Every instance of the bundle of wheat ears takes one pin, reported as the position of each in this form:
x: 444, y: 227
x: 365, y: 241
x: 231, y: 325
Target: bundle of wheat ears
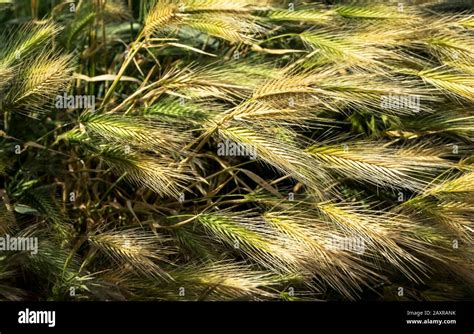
x: 236, y: 150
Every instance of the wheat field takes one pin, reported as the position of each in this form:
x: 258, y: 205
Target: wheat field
x: 236, y: 150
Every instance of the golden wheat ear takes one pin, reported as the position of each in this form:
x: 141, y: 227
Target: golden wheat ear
x: 40, y: 81
x: 226, y: 280
x: 20, y: 47
x: 134, y: 131
x: 410, y: 167
x: 134, y: 247
x: 160, y: 174
x: 231, y: 21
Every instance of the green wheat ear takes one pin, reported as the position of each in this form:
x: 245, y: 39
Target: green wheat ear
x: 25, y: 41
